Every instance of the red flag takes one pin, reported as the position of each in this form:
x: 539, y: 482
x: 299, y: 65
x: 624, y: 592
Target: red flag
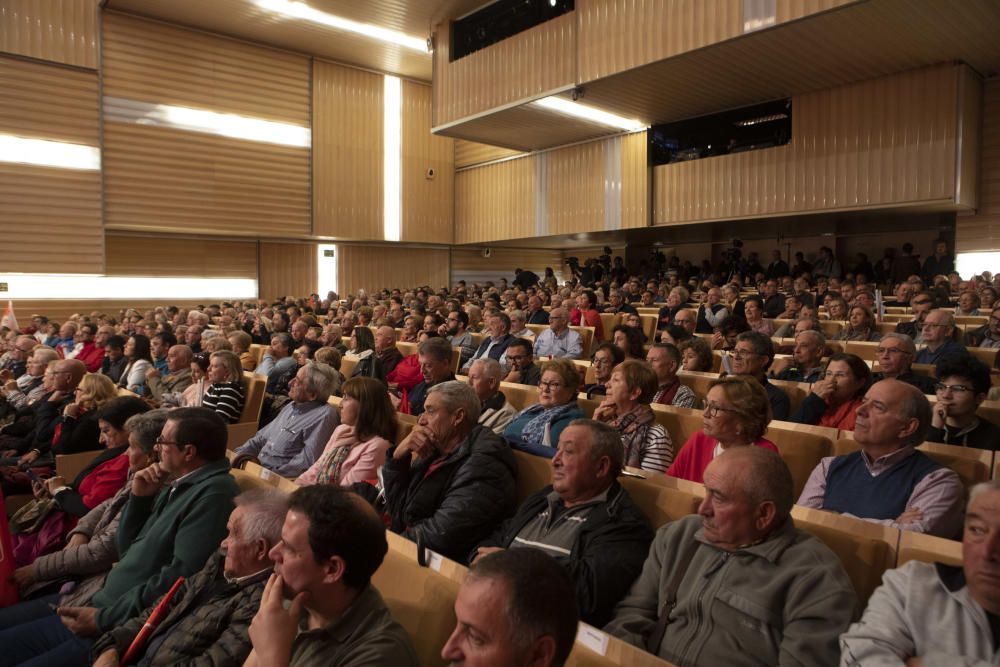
x: 8, y: 589
x: 139, y: 643
x: 9, y: 320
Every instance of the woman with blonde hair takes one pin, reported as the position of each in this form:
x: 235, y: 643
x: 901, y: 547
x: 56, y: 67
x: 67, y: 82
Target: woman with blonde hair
x: 626, y: 408
x: 737, y: 412
x: 357, y: 448
x: 224, y: 394
x: 76, y: 429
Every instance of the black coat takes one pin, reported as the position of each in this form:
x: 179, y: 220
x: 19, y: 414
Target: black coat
x: 608, y: 555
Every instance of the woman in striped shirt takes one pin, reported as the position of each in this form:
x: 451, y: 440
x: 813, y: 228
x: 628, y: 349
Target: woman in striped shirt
x: 225, y: 389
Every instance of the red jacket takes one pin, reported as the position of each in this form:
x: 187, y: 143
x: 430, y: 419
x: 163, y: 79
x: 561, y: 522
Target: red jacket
x: 92, y: 356
x: 696, y: 454
x: 104, y: 481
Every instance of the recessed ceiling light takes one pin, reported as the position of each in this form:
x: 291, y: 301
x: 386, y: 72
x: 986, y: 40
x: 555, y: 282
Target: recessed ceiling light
x: 300, y: 10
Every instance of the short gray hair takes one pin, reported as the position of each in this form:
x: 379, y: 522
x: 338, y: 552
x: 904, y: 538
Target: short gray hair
x: 984, y: 487
x: 457, y: 395
x: 491, y: 367
x: 907, y: 342
x: 319, y: 379
x: 264, y: 516
x: 915, y: 406
x: 605, y: 440
x: 436, y: 347
x: 146, y: 427
x: 815, y: 333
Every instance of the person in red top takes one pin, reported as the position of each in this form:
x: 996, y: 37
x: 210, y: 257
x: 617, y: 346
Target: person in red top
x: 834, y: 400
x: 92, y: 352
x: 736, y: 414
x: 585, y: 314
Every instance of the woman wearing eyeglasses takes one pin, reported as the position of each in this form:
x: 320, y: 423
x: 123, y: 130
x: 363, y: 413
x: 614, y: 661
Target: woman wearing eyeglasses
x: 834, y: 400
x: 536, y: 429
x: 627, y: 408
x: 737, y: 412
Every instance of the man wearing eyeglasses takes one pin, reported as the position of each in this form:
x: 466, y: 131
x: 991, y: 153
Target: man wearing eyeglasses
x: 888, y: 481
x: 963, y: 383
x: 921, y: 305
x: 938, y: 336
x: 752, y: 356
x: 521, y: 362
x: 988, y: 335
x: 559, y: 341
x: 895, y: 356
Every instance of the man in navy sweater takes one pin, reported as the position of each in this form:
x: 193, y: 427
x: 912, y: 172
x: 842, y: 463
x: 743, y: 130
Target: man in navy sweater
x: 888, y: 481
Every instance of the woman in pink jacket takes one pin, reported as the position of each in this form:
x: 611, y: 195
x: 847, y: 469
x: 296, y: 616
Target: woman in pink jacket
x: 357, y: 448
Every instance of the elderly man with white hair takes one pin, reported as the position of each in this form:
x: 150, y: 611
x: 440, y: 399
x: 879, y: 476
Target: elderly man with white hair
x: 496, y: 411
x: 895, y: 355
x: 559, y: 341
x: 291, y: 443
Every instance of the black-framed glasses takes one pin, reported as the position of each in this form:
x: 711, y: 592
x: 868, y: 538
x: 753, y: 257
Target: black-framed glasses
x: 160, y: 441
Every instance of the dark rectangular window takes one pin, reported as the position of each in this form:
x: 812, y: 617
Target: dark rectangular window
x: 500, y: 20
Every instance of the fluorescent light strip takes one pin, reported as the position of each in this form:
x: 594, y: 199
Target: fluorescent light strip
x: 969, y: 264
x: 49, y: 153
x: 209, y: 122
x: 83, y: 287
x: 326, y: 269
x: 300, y: 10
x: 392, y: 145
x: 592, y: 114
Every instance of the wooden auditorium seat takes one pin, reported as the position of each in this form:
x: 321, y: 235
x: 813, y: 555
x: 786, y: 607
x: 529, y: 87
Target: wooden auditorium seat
x: 928, y: 549
x: 246, y: 427
x: 257, y: 350
x: 802, y: 447
x: 972, y: 465
x: 608, y: 322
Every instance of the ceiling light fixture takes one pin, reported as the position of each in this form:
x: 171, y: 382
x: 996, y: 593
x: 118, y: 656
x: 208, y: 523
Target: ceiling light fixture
x: 48, y: 153
x: 300, y: 10
x: 762, y: 119
x: 588, y: 113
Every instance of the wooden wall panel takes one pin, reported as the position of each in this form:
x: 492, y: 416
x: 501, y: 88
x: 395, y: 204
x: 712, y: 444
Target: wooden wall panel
x: 789, y: 10
x: 635, y: 205
x: 885, y: 142
x: 158, y: 176
x: 981, y: 231
x: 496, y: 201
x: 428, y: 202
x: 50, y: 218
x: 347, y: 152
x: 62, y: 31
x: 575, y: 187
x: 469, y: 153
x: 61, y: 309
x: 377, y: 266
x: 618, y: 35
x: 286, y: 269
x: 468, y: 264
x: 527, y: 65
x: 168, y: 256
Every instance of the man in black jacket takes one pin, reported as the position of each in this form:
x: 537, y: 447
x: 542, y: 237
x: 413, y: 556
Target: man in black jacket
x: 460, y: 485
x: 585, y: 520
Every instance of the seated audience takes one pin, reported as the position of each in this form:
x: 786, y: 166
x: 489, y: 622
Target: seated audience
x: 224, y: 393
x: 175, y: 380
x: 860, y: 326
x: 599, y: 535
x: 697, y: 356
x: 711, y: 312
x: 586, y: 314
x: 521, y: 362
x: 411, y: 327
x: 77, y: 429
x: 505, y: 615
x: 495, y: 344
x: 385, y: 347
x: 676, y: 302
x: 17, y: 395
x: 519, y: 326
x: 559, y: 341
x: 138, y: 361
x: 932, y: 613
x: 495, y: 411
x: 114, y: 362
x: 459, y: 486
x: 730, y: 329
x: 536, y: 429
x: 86, y: 348
x: 665, y: 360
x: 686, y: 320
x: 90, y: 551
x: 752, y: 356
x: 192, y: 396
x: 606, y: 357
x: 938, y: 337
x: 241, y: 341
x: 834, y: 400
x: 434, y: 356
x: 888, y: 481
x: 358, y: 446
x: 157, y: 540
x: 278, y: 358
x: 807, y: 358
x: 627, y: 409
x: 331, y: 545
x: 962, y: 386
x: 693, y: 604
x: 736, y: 414
x: 629, y: 341
x: 293, y: 441
x: 753, y: 308
x: 208, y: 618
x: 988, y: 335
x: 617, y: 303
x: 774, y: 301
x: 895, y: 356
x: 363, y: 350
x: 968, y: 304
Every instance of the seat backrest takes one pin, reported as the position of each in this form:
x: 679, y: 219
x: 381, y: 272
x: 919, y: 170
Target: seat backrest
x: 796, y: 392
x: 586, y: 340
x: 404, y: 424
x: 866, y: 550
x: 648, y: 326
x: 608, y: 322
x: 830, y: 327
x: 272, y: 479
x: 257, y: 350
x: 125, y: 393
x: 660, y: 502
x: 864, y: 349
x: 533, y: 473
x: 253, y: 393
x: 697, y: 382
x: 801, y: 447
x: 972, y: 465
x: 347, y: 366
x: 420, y: 598
x: 247, y: 481
x: 456, y: 358
x: 681, y: 423
x: 928, y: 549
x: 68, y: 466
x: 406, y: 349
x: 519, y: 395
x: 987, y: 355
